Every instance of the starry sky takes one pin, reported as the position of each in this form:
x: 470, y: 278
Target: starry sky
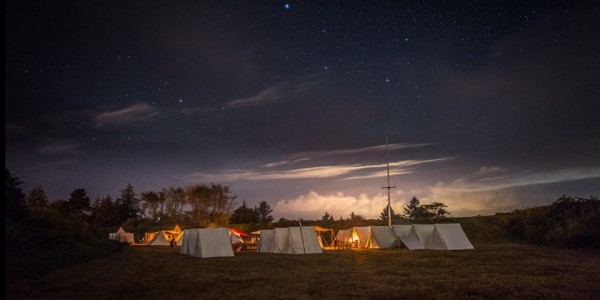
x: 488, y: 106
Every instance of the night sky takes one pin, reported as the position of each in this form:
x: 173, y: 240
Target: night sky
x: 488, y: 106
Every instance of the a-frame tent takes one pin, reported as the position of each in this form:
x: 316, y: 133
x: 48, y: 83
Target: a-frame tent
x: 365, y: 237
x: 449, y: 237
x: 292, y: 240
x: 159, y: 239
x: 207, y: 242
x: 121, y: 236
x: 423, y: 233
x: 368, y: 237
x: 266, y: 240
x: 411, y: 241
x: 325, y: 236
x: 384, y: 236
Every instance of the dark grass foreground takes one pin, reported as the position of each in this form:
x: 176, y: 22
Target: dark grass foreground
x: 496, y: 272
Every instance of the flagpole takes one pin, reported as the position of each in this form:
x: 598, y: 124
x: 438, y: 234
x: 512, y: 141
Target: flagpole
x: 388, y: 187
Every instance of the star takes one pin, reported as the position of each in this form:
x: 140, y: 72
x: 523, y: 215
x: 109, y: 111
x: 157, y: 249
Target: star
x: 286, y: 6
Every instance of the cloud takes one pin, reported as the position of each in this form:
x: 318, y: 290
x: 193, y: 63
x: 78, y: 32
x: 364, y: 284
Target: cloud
x: 134, y: 113
x: 287, y: 90
x: 485, y: 170
x: 268, y: 95
x: 379, y: 174
x: 470, y: 196
x: 303, y: 156
x: 59, y: 148
x: 314, y: 205
x: 300, y: 173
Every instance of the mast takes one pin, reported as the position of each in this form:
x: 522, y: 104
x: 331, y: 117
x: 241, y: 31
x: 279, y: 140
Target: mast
x: 388, y: 187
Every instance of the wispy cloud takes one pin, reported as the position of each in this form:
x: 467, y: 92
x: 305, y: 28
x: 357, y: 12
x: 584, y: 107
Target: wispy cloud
x: 283, y: 91
x: 134, y: 113
x: 309, y: 155
x: 300, y: 173
x: 380, y: 174
x: 59, y: 148
x: 268, y: 95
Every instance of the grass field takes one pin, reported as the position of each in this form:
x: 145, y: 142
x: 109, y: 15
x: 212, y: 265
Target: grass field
x: 490, y: 271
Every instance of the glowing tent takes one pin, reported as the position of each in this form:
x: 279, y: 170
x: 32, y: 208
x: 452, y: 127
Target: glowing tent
x: 368, y: 237
x: 325, y: 236
x: 207, y: 242
x: 449, y: 237
x: 163, y: 238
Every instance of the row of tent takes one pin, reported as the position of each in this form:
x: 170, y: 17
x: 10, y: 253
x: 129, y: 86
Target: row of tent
x: 217, y: 242
x: 416, y: 236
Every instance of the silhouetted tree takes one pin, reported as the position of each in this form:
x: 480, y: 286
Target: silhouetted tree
x: 210, y: 204
x: 128, y: 204
x: 384, y: 214
x: 150, y: 204
x: 435, y: 210
x: 327, y: 217
x: 174, y: 202
x: 264, y: 211
x: 244, y: 215
x: 411, y: 211
x: 79, y: 202
x: 14, y: 208
x: 104, y: 213
x: 36, y: 198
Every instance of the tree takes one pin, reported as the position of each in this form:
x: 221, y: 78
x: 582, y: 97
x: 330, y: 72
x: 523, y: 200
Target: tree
x: 411, y: 211
x: 174, y: 202
x: 36, y: 198
x: 435, y: 210
x: 220, y: 204
x: 128, y: 204
x: 356, y: 220
x: 13, y: 197
x: 264, y: 211
x: 150, y: 203
x: 327, y: 217
x: 104, y: 212
x: 244, y: 215
x: 79, y: 202
x: 210, y: 203
x: 384, y: 214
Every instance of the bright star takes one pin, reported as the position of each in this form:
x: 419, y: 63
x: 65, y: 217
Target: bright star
x: 286, y: 6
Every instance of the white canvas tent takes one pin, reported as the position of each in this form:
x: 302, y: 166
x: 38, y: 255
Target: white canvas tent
x: 402, y: 231
x: 291, y: 240
x: 267, y: 237
x: 422, y: 233
x: 121, y: 236
x: 449, y: 237
x: 384, y: 236
x: 207, y: 242
x: 410, y: 240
